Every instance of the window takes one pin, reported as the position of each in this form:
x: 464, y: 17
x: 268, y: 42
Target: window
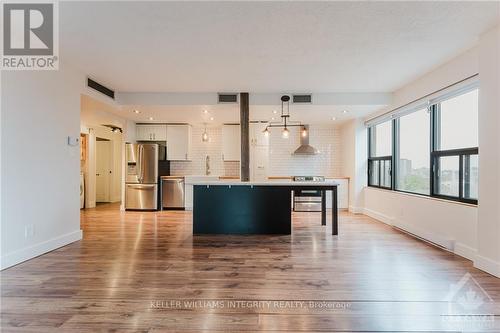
x: 380, y: 161
x: 447, y: 176
x: 456, y: 174
x: 381, y: 140
x: 457, y: 122
x: 433, y: 150
x: 455, y: 160
x: 413, y: 159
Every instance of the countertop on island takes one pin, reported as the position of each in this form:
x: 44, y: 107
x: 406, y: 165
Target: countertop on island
x: 265, y: 183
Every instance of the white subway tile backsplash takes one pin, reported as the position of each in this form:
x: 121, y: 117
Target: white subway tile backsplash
x: 326, y: 139
x: 281, y: 161
x: 199, y: 151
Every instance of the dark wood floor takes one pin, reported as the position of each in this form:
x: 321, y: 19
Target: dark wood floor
x: 131, y: 268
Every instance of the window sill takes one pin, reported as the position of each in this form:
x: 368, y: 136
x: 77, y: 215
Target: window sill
x: 422, y: 196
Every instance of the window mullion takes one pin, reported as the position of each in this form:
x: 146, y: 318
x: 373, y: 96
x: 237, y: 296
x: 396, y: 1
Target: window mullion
x: 461, y: 176
x: 432, y: 170
x: 395, y: 153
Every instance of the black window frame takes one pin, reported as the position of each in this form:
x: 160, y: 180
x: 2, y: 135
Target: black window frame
x: 463, y: 154
x: 379, y: 159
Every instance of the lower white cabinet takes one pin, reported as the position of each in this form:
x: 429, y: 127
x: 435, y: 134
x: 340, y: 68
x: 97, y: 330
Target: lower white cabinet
x: 342, y: 194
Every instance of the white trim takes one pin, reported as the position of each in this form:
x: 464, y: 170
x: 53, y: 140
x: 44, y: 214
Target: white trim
x: 445, y: 242
x: 356, y: 210
x: 461, y: 87
x: 454, y: 91
x: 465, y: 251
x: 435, y: 239
x: 420, y: 196
x: 380, y: 217
x: 487, y: 265
x: 17, y: 257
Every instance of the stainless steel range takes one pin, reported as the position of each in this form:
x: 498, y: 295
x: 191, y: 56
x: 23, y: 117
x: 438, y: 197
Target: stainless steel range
x: 307, y: 200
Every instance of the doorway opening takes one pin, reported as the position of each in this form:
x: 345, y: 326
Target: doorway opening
x: 102, y: 151
x: 104, y: 170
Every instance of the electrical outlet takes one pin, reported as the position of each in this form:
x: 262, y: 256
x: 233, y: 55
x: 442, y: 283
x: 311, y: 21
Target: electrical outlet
x: 29, y: 231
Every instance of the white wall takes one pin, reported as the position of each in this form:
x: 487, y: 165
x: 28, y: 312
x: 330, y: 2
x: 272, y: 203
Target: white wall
x: 354, y: 161
x: 441, y: 222
x: 325, y: 138
x: 473, y: 232
x: 488, y: 233
x: 40, y: 172
x: 451, y: 225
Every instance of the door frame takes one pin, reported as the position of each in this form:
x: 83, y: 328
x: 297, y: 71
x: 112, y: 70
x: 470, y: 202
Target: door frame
x: 110, y: 161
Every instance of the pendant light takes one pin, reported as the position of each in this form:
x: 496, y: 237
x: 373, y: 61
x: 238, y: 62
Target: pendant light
x: 204, y: 136
x: 285, y: 123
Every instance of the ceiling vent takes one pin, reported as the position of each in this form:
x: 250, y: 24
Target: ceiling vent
x: 227, y: 98
x: 304, y: 98
x: 100, y: 88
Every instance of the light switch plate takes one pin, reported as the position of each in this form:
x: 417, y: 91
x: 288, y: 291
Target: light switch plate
x: 73, y: 141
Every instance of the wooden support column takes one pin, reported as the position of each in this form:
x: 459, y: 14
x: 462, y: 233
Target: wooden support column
x: 245, y: 137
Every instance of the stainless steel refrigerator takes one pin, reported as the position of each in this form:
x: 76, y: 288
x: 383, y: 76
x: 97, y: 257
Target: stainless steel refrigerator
x: 141, y: 184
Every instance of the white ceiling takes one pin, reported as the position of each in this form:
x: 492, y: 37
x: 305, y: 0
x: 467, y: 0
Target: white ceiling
x: 266, y: 46
x: 194, y: 114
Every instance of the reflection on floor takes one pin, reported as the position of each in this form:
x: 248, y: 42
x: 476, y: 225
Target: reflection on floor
x: 138, y: 271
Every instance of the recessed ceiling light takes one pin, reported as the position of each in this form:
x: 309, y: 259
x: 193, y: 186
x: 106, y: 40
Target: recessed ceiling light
x: 334, y: 118
x: 275, y: 112
x: 273, y: 118
x: 137, y: 111
x: 211, y: 118
x: 151, y: 118
x: 345, y: 111
x: 205, y: 111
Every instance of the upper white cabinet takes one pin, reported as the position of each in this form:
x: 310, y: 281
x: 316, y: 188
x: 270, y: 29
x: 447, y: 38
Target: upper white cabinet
x: 151, y: 132
x: 178, y: 142
x: 257, y: 136
x: 231, y: 143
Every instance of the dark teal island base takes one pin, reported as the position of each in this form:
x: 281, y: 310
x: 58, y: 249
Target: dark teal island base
x: 250, y: 209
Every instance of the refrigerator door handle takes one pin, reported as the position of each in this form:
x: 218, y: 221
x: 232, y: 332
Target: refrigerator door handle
x: 141, y: 186
x: 143, y: 166
x: 139, y: 163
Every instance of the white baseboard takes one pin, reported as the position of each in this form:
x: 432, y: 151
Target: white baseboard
x: 356, y: 210
x: 16, y: 257
x: 440, y: 240
x: 413, y: 230
x: 487, y: 265
x: 378, y: 216
x: 465, y: 251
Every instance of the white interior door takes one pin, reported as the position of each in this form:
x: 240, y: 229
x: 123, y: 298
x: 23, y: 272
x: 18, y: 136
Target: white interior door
x: 104, y: 162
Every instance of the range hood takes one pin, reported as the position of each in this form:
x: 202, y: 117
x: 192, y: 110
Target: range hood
x: 305, y: 148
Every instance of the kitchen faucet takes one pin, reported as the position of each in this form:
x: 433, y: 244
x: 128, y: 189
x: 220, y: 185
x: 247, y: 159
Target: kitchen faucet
x: 207, y: 165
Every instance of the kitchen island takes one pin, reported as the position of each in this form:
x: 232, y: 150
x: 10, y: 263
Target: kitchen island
x: 234, y: 207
